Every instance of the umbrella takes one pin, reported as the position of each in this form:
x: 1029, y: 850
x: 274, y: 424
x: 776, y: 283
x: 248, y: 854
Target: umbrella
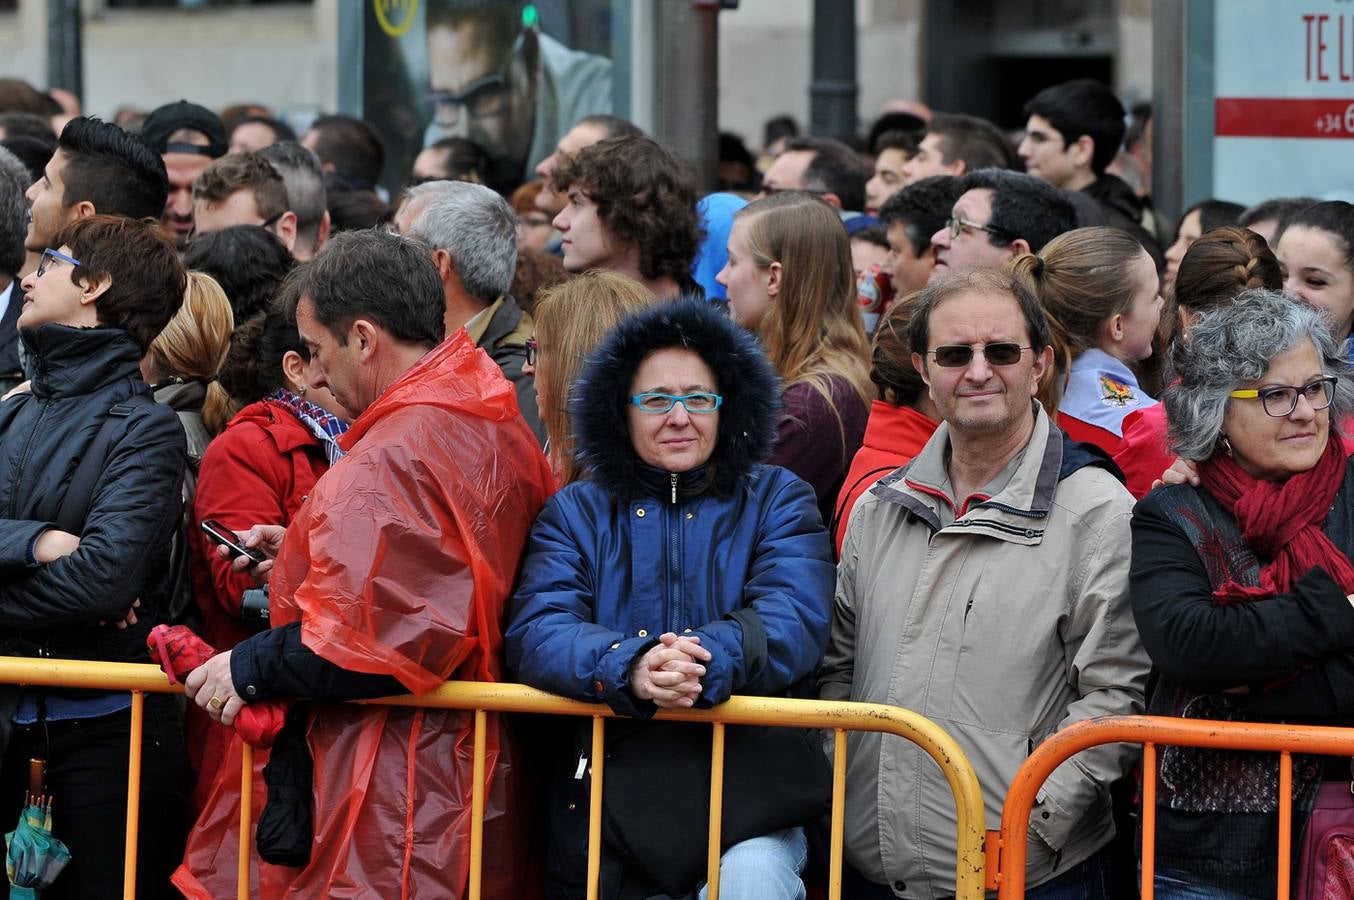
x: 33, y: 857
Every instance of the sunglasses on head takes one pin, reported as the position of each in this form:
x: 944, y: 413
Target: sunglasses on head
x: 952, y: 356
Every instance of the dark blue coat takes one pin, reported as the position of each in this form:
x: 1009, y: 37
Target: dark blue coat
x: 734, y: 551
x: 751, y: 574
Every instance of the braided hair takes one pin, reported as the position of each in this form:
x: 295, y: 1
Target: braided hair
x: 1219, y: 266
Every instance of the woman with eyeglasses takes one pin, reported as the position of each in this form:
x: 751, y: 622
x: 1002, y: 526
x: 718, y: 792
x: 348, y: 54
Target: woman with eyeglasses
x: 1102, y: 298
x: 1216, y: 268
x: 678, y: 571
x: 533, y: 226
x: 91, y: 478
x: 1241, y: 587
x: 790, y: 280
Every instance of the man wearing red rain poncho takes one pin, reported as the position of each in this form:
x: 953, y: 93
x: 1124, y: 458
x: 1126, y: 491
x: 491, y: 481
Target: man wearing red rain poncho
x: 391, y: 578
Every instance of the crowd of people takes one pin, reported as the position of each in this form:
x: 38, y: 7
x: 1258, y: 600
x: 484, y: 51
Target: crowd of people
x: 950, y: 421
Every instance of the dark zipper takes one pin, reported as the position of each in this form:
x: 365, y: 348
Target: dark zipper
x: 674, y: 563
x: 23, y: 459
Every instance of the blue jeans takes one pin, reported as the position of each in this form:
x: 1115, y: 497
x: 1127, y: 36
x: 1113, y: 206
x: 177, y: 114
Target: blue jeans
x: 764, y: 868
x: 1169, y: 885
x: 1087, y: 881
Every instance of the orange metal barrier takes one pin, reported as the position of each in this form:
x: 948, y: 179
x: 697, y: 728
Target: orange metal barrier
x: 1008, y: 875
x: 483, y: 698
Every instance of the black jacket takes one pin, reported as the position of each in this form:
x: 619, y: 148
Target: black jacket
x: 1216, y: 817
x: 1123, y: 210
x: 54, y: 609
x: 504, y: 342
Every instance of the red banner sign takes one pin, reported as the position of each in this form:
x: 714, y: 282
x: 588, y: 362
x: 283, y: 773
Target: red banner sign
x: 1283, y: 118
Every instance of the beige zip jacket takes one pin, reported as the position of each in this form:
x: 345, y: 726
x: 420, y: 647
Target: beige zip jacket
x: 1002, y: 627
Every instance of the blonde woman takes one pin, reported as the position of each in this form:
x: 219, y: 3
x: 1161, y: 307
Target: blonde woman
x: 181, y: 366
x: 571, y: 319
x: 790, y: 280
x: 183, y: 361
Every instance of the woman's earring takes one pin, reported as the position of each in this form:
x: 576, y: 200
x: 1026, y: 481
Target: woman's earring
x: 1226, y: 445
x: 302, y: 392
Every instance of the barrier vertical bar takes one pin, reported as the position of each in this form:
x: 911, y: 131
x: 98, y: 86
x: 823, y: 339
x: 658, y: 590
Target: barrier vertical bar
x: 246, y: 820
x: 834, y: 870
x: 595, y: 808
x: 1149, y: 819
x: 133, y: 795
x: 1285, y: 821
x: 716, y: 811
x: 477, y: 807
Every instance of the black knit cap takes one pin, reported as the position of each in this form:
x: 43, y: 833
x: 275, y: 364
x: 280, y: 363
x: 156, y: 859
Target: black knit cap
x: 172, y: 116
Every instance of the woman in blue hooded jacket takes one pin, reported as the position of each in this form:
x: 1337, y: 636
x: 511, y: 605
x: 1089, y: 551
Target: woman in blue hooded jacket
x: 680, y: 571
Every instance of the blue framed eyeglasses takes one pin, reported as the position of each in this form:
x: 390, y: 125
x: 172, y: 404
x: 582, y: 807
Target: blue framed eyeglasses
x: 49, y: 256
x: 657, y: 402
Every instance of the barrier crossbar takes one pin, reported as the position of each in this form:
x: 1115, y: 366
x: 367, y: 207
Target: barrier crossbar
x: 1008, y: 875
x: 483, y: 698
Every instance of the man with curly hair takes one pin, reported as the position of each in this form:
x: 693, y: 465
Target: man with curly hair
x: 630, y: 207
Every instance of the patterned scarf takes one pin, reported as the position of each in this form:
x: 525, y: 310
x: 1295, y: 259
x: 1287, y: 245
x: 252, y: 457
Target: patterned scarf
x: 320, y: 422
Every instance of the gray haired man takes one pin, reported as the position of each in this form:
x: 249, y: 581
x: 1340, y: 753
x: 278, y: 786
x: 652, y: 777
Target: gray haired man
x: 473, y: 235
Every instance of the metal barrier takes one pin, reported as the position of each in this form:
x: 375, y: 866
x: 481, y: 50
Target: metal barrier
x: 516, y: 698
x: 1008, y: 874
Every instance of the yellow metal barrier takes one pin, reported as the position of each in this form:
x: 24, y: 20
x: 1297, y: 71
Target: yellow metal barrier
x: 515, y: 698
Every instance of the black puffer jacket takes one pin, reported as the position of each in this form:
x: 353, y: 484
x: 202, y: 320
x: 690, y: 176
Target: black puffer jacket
x: 54, y: 609
x: 1123, y: 210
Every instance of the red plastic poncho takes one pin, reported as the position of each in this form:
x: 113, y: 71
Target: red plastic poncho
x: 400, y: 564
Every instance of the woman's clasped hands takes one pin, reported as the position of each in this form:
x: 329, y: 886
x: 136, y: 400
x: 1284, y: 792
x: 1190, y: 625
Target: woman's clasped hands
x: 669, y: 673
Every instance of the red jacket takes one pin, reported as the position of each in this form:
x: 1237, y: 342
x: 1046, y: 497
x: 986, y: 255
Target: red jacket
x: 1142, y: 453
x: 400, y: 564
x: 1080, y: 430
x: 893, y: 435
x: 258, y: 471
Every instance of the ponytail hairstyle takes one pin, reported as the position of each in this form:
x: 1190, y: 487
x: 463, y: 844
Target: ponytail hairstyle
x: 236, y: 374
x: 1082, y: 278
x: 1216, y: 268
x: 193, y: 346
x: 813, y: 329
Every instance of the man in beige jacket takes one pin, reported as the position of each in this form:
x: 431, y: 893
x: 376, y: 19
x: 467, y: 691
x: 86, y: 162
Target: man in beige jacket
x: 985, y: 585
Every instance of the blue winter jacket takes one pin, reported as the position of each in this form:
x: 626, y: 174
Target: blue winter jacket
x: 734, y: 551
x: 751, y: 575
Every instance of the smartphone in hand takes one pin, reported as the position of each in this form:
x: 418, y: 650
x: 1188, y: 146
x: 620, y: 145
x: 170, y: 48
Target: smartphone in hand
x: 226, y: 538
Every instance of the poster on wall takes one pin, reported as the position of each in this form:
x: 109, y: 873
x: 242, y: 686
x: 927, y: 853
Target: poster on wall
x: 509, y: 76
x: 1284, y: 99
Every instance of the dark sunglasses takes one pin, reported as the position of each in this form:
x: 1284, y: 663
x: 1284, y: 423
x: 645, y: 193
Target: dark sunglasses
x: 533, y: 351
x: 953, y: 356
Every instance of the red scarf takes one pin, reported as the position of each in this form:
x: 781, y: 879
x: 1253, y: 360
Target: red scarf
x: 1281, y: 521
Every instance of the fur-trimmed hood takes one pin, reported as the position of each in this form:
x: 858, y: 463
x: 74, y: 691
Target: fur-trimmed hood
x: 748, y: 416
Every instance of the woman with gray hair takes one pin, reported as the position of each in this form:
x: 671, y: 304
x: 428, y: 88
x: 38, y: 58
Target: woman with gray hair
x: 1241, y: 586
